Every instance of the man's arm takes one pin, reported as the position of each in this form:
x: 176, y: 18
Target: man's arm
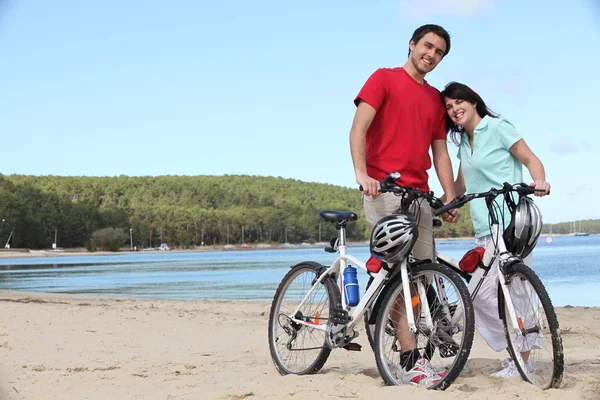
x: 459, y: 184
x: 358, y: 148
x: 443, y: 169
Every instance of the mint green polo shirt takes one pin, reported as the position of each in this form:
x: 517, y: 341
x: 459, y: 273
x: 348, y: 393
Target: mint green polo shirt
x: 489, y: 165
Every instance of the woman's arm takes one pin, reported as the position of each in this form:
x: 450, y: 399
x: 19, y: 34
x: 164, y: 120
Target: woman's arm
x: 535, y: 167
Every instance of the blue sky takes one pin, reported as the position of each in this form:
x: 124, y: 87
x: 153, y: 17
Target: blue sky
x: 104, y: 88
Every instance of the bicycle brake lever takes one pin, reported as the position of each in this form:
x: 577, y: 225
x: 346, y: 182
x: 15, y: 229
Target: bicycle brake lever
x: 390, y: 180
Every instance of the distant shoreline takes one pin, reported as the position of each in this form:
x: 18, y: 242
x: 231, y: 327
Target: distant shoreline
x: 27, y: 253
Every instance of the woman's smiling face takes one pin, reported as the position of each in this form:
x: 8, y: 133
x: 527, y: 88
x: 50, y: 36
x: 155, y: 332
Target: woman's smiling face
x: 460, y: 111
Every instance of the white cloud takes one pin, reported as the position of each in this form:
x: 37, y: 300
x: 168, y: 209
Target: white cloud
x: 580, y: 191
x: 588, y: 146
x: 423, y: 8
x: 566, y: 145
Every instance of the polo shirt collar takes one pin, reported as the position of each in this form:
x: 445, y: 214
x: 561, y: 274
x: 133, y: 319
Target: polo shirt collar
x: 483, y: 123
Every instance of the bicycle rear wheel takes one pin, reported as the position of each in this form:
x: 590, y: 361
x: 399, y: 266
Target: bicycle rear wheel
x: 535, y: 344
x: 299, y: 348
x: 445, y: 345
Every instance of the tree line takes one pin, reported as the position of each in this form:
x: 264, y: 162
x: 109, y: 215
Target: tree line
x: 183, y: 211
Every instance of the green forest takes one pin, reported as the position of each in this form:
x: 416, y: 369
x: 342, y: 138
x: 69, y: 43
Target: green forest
x: 185, y: 211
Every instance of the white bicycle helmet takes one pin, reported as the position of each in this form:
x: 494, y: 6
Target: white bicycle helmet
x: 524, y: 229
x: 393, y: 237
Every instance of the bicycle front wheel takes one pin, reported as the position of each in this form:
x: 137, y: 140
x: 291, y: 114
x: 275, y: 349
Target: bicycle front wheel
x: 300, y: 348
x: 535, y: 344
x: 444, y: 330
x: 369, y: 327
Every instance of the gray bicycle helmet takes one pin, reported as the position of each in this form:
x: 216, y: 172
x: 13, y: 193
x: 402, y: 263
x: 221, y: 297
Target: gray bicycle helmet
x: 393, y: 237
x: 524, y: 229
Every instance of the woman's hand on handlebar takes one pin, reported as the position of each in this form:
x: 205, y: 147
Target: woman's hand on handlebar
x: 369, y: 186
x: 539, y: 186
x: 451, y: 216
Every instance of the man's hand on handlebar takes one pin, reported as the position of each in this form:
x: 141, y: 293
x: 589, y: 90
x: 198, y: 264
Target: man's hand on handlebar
x: 370, y: 186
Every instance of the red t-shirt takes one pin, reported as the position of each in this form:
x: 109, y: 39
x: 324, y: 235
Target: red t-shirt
x: 409, y: 117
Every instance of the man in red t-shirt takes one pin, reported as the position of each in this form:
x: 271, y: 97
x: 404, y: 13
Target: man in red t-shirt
x: 399, y: 117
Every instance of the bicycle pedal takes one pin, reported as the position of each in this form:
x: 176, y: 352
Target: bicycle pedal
x: 448, y: 350
x: 353, y: 347
x: 339, y: 316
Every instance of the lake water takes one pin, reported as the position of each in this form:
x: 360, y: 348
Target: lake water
x: 569, y: 267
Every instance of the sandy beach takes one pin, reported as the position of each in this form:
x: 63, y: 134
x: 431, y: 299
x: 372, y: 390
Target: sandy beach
x: 77, y: 347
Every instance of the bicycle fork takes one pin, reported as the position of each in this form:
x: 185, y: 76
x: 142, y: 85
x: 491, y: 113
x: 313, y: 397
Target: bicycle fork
x: 408, y: 306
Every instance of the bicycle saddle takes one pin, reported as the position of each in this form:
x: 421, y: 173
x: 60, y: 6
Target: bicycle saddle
x: 337, y: 216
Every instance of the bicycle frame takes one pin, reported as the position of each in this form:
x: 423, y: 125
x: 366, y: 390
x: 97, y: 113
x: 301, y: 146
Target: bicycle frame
x: 491, y: 252
x: 379, y: 279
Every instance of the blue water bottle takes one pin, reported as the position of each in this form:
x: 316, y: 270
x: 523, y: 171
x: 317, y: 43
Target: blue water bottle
x: 351, y: 286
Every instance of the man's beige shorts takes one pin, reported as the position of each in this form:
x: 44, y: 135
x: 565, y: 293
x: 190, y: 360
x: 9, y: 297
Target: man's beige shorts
x: 388, y: 203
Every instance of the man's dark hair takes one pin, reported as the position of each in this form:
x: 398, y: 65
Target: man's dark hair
x: 425, y: 29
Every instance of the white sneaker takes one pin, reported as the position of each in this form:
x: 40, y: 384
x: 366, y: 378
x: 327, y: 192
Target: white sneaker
x: 421, y: 374
x: 434, y: 370
x: 509, y: 369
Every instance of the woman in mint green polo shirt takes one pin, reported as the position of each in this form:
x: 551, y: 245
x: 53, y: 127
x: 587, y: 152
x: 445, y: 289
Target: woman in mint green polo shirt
x: 491, y: 152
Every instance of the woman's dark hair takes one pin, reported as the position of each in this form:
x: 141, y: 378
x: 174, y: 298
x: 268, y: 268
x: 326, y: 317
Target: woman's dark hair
x: 459, y: 91
x: 425, y: 29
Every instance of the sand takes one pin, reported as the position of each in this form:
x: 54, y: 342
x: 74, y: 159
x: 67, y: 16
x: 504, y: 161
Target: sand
x: 76, y: 347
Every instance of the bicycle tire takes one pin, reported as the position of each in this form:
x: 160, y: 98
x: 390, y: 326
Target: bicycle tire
x: 546, y: 350
x: 295, y: 348
x: 431, y: 344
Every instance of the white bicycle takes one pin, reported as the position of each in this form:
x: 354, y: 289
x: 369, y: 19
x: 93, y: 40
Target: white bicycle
x: 530, y: 323
x: 311, y: 315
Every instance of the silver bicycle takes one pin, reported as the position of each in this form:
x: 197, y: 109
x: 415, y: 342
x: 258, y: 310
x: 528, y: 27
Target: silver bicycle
x: 530, y: 322
x: 311, y: 315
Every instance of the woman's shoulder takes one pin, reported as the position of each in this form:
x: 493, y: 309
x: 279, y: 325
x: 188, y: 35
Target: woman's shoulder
x: 499, y: 121
x: 505, y: 132
x: 501, y: 124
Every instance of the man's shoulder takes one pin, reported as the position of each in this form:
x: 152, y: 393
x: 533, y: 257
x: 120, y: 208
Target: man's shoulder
x: 387, y: 75
x: 430, y: 88
x: 393, y: 73
x: 393, y: 70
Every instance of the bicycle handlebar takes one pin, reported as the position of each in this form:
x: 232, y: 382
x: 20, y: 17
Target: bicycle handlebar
x: 459, y: 201
x: 389, y: 185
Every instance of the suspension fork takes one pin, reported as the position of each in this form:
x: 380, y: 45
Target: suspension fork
x: 410, y: 316
x: 503, y: 255
x: 509, y: 304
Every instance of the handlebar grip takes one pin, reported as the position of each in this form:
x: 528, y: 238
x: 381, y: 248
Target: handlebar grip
x: 360, y: 188
x: 456, y: 203
x: 525, y: 189
x: 529, y: 190
x: 444, y: 209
